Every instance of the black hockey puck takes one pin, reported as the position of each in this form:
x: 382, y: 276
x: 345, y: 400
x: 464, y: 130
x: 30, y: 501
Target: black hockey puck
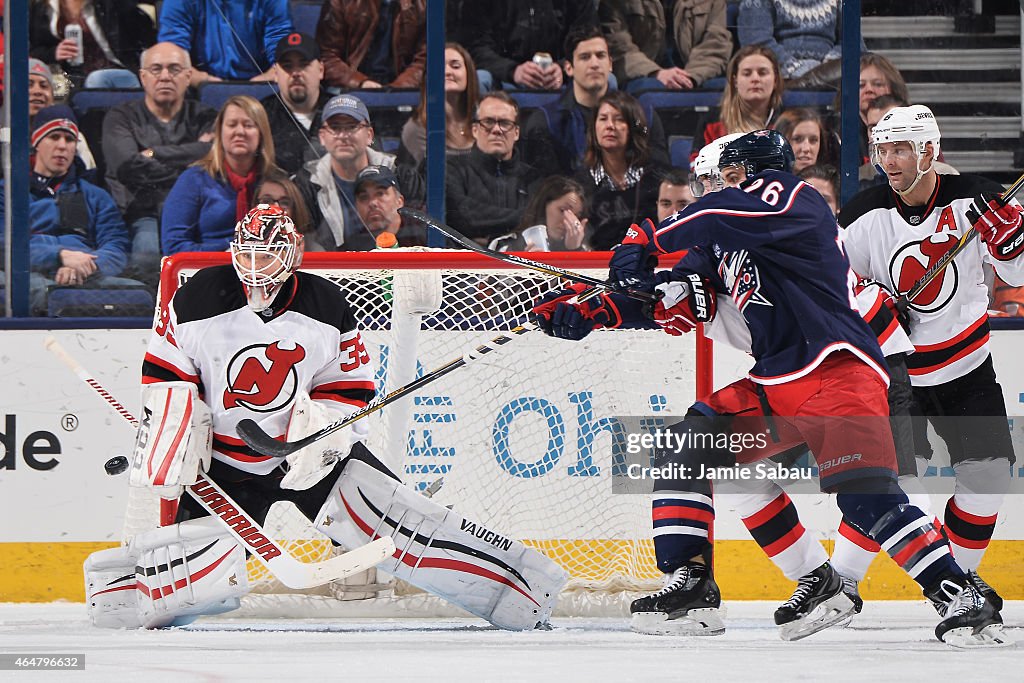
x: 116, y: 465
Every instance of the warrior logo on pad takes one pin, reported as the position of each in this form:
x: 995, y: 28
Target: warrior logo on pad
x: 262, y: 378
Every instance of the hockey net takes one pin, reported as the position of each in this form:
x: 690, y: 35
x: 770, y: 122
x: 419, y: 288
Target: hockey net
x: 523, y: 440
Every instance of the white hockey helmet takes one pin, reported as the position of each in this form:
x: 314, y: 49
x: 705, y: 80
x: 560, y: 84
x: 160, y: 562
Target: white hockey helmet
x: 706, y: 177
x: 914, y: 124
x: 266, y: 250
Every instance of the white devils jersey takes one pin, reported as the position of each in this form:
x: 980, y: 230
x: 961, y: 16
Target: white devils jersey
x: 251, y: 365
x: 895, y: 244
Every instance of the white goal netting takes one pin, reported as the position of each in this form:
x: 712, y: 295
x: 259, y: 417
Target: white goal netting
x: 523, y: 439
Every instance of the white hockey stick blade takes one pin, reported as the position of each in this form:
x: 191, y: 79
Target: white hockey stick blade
x: 291, y: 572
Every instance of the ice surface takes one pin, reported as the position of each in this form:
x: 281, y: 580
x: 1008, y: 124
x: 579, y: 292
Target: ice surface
x: 889, y: 641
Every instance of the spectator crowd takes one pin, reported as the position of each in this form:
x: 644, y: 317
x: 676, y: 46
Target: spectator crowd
x: 165, y: 172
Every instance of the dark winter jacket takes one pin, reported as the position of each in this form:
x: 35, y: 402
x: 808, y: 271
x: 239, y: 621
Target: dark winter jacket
x: 612, y: 210
x: 294, y: 145
x: 505, y: 34
x: 140, y: 184
x: 485, y: 197
x: 345, y: 32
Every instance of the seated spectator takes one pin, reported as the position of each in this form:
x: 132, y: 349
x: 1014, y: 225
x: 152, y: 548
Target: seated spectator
x: 807, y: 135
x: 294, y: 111
x: 461, y: 92
x: 147, y: 144
x: 554, y: 219
x: 378, y: 199
x: 40, y: 96
x: 519, y: 42
x: 588, y: 65
x: 825, y: 179
x: 751, y: 101
x: 277, y: 188
x: 213, y: 194
x: 78, y: 238
x: 328, y: 184
x: 698, y: 50
x: 373, y: 43
x: 878, y: 76
x: 804, y: 35
x: 234, y: 43
x: 114, y: 33
x: 619, y: 178
x: 487, y: 189
x: 674, y: 193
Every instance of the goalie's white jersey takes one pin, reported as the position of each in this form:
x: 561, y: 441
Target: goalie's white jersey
x: 252, y: 365
x: 896, y: 244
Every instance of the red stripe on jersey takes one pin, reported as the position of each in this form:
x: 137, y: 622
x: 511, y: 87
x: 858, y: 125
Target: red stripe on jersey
x: 963, y: 353
x: 930, y: 536
x: 343, y: 385
x: 925, y: 348
x: 682, y: 512
x: 767, y: 512
x: 317, y: 396
x: 169, y: 367
x: 229, y: 441
x: 857, y: 538
x: 784, y: 542
x: 968, y: 517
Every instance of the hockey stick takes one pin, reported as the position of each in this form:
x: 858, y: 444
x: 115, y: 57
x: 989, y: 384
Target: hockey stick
x: 256, y: 438
x: 246, y: 530
x: 904, y: 301
x: 453, y: 234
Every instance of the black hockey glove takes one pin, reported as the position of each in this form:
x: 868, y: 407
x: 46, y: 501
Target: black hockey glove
x: 633, y: 262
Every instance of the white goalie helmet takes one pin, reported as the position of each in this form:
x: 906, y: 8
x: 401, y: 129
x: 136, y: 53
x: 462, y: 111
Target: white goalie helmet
x: 266, y: 250
x: 706, y: 177
x: 914, y: 124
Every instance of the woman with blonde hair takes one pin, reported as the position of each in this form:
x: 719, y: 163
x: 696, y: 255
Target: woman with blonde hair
x: 619, y: 178
x: 752, y: 98
x: 216, y: 192
x: 461, y: 94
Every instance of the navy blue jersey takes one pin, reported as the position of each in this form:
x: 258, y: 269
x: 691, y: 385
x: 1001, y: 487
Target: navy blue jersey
x: 772, y: 245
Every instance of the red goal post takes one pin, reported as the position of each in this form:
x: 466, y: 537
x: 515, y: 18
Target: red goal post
x: 525, y: 439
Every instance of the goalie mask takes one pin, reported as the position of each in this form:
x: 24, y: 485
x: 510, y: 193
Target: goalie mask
x: 914, y: 124
x: 706, y: 177
x: 758, y: 151
x: 265, y: 252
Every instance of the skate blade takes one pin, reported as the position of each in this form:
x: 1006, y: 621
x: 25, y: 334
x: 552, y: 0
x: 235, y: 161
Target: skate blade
x: 696, y: 622
x: 964, y: 638
x: 831, y: 612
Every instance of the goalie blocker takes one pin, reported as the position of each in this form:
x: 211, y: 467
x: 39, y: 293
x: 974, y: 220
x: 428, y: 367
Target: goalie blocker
x: 171, y: 575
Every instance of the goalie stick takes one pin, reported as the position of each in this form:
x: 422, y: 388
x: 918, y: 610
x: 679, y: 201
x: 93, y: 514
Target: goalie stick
x: 246, y: 530
x: 904, y: 301
x: 453, y: 234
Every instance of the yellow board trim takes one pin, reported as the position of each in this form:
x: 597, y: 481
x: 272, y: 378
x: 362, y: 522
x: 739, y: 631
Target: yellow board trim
x: 44, y: 572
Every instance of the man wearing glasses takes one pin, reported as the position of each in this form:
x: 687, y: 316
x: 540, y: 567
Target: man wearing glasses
x: 147, y: 143
x: 328, y: 183
x: 487, y: 189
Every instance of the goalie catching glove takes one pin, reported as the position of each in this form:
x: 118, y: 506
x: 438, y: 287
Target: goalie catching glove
x: 560, y: 314
x: 684, y: 304
x: 999, y: 226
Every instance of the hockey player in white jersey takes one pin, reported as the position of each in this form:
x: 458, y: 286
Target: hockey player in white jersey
x: 259, y: 339
x: 894, y: 234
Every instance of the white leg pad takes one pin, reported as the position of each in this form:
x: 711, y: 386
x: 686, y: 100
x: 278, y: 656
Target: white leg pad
x: 110, y: 595
x: 187, y: 570
x: 442, y: 552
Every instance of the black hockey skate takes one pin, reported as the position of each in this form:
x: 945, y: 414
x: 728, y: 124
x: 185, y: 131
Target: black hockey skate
x: 688, y: 605
x: 986, y: 590
x: 969, y: 620
x: 817, y: 603
x: 851, y: 591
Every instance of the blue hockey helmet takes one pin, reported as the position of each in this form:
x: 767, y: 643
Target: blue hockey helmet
x: 758, y: 151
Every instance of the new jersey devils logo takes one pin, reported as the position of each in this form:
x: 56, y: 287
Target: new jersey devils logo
x: 912, y: 260
x: 263, y: 378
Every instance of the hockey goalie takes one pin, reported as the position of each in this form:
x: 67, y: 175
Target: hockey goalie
x: 259, y: 340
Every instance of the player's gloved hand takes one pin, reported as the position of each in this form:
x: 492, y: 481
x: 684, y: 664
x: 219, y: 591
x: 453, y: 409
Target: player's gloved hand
x: 633, y: 262
x: 999, y: 226
x: 560, y: 315
x: 684, y: 303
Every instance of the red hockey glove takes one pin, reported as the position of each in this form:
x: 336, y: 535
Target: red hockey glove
x: 684, y: 304
x: 998, y: 225
x: 559, y: 316
x: 633, y: 262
